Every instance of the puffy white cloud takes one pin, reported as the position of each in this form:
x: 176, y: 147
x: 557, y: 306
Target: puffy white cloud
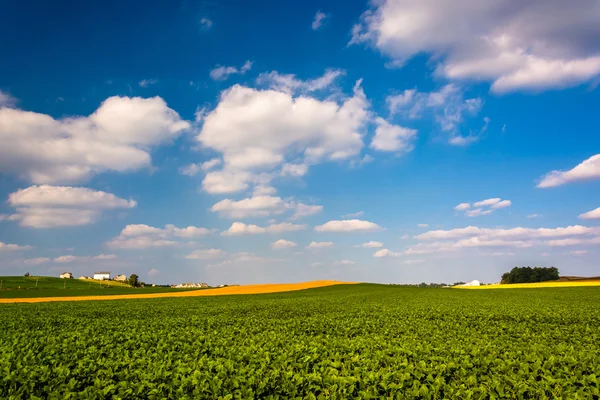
x: 594, y: 214
x: 390, y: 137
x: 152, y: 272
x: 319, y: 245
x: 141, y: 236
x: 283, y: 244
x: 488, y: 202
x: 586, y: 170
x: 371, y: 245
x: 71, y: 258
x: 574, y: 241
x: 206, y: 254
x: 476, y: 212
x: 221, y: 73
x: 516, y: 45
x: 10, y: 217
x: 462, y: 207
x: 118, y: 136
x: 262, y: 206
x: 447, y: 106
x: 239, y: 228
x: 385, y: 253
x: 258, y: 131
x: 48, y: 206
x: 512, y: 233
x: 348, y: 225
x: 318, y: 20
x: 13, y: 247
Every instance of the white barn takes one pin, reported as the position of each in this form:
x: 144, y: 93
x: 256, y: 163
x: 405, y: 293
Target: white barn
x: 101, y: 276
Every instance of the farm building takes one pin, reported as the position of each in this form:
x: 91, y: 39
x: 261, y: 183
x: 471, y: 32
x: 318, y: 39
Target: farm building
x: 101, y: 276
x: 84, y: 277
x: 120, y: 278
x: 192, y: 285
x: 66, y: 275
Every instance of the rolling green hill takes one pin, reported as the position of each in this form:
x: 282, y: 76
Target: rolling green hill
x: 48, y: 282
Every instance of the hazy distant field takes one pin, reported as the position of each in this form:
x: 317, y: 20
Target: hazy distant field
x: 338, y: 342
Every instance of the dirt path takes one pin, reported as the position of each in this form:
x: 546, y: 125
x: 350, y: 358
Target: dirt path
x: 247, y: 289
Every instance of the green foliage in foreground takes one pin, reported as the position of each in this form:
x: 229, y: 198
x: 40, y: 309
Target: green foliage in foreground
x: 364, y: 341
x: 530, y: 275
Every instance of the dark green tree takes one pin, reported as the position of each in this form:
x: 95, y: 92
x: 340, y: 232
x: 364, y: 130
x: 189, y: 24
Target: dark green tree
x: 133, y: 280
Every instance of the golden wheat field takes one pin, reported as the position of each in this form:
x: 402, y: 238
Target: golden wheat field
x: 534, y: 285
x: 230, y: 290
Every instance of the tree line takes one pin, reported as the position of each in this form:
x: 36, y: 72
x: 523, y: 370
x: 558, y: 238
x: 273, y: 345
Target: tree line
x: 530, y: 275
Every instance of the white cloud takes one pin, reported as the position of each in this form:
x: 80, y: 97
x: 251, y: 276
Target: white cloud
x: 385, y: 253
x: 6, y: 100
x: 354, y: 215
x: 206, y: 254
x: 371, y: 245
x: 13, y: 247
x: 262, y: 206
x: 263, y: 191
x: 404, y: 237
x: 395, y: 138
x: 573, y: 241
x: 318, y: 20
x: 594, y: 214
x: 288, y: 83
x: 533, y: 45
x: 483, y: 207
x: 447, y: 106
x: 117, y: 137
x: 294, y: 170
x: 283, y: 244
x: 586, y: 170
x: 462, y: 207
x: 140, y: 236
x: 205, y: 23
x: 343, y: 262
x: 319, y: 245
x: 348, y: 225
x: 513, y: 233
x: 48, y: 206
x: 530, y: 216
x: 9, y: 217
x: 239, y: 228
x: 256, y: 131
x: 221, y: 73
x: 190, y: 169
x: 152, y: 272
x: 36, y: 261
x: 422, y: 225
x: 147, y: 82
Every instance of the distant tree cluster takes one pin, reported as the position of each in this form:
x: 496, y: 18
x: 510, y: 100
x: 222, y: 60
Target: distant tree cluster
x: 530, y: 275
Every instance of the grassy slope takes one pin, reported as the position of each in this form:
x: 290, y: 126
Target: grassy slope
x: 50, y: 287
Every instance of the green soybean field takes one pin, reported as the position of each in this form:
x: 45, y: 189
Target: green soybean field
x: 351, y: 341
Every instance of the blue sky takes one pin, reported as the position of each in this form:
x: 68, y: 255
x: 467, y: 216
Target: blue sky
x: 215, y: 141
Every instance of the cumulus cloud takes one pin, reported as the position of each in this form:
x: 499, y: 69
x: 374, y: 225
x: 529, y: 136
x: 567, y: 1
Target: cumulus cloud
x: 586, y: 170
x: 206, y: 254
x: 141, y: 236
x: 394, y: 138
x: 448, y: 107
x: 385, y: 253
x: 13, y: 247
x: 247, y: 127
x: 221, y: 73
x: 239, y: 228
x: 371, y: 245
x: 6, y: 100
x: 118, y: 137
x: 283, y: 244
x: 483, y: 207
x: 534, y: 45
x: 319, y: 245
x: 594, y: 214
x: 348, y: 225
x: 318, y: 20
x: 48, y: 206
x: 71, y: 258
x: 263, y: 206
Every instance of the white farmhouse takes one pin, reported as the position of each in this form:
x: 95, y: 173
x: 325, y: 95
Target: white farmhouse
x: 66, y: 275
x: 120, y: 278
x: 101, y: 276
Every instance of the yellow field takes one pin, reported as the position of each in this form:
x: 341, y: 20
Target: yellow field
x: 534, y: 285
x: 247, y: 289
